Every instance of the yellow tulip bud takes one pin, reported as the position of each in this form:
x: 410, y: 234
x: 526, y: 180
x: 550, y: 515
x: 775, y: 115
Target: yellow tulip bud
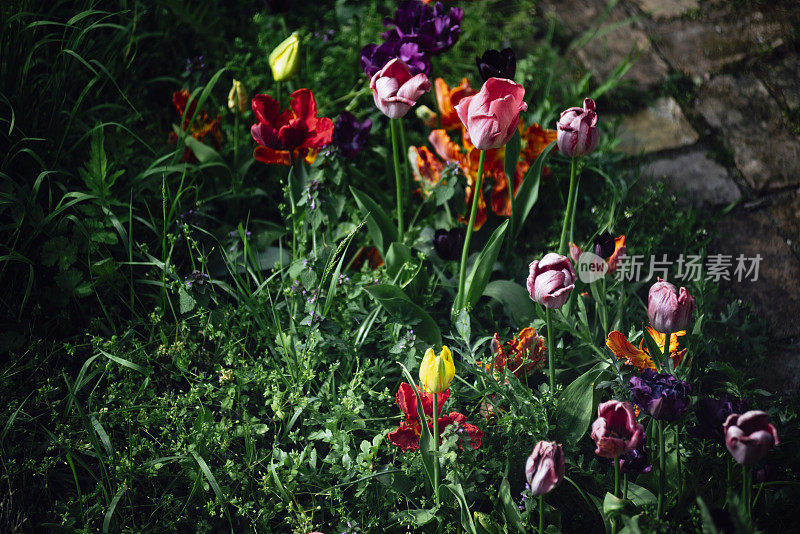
x: 436, y: 372
x: 285, y: 59
x: 237, y: 98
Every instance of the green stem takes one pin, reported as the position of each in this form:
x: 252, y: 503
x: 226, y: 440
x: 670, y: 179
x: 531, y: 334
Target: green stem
x: 473, y: 213
x: 616, y: 477
x: 665, y: 360
x: 662, y: 465
x: 567, y: 216
x: 398, y: 178
x: 625, y: 486
x: 678, y: 460
x: 541, y: 513
x: 550, y: 354
x: 404, y: 166
x: 436, y: 449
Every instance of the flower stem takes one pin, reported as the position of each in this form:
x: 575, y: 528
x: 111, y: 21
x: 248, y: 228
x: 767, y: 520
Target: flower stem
x: 541, y: 513
x: 551, y: 372
x: 616, y: 477
x: 398, y: 178
x: 473, y: 214
x: 665, y: 360
x: 562, y: 244
x: 746, y: 488
x: 436, y: 449
x: 678, y: 460
x: 662, y: 466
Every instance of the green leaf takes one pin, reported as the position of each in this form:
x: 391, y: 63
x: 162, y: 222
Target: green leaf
x: 464, y: 327
x: 510, y: 510
x: 652, y: 347
x: 575, y: 406
x: 466, y: 515
x: 400, y: 307
x: 397, y: 255
x: 613, y: 505
x: 481, y: 271
x: 515, y: 298
x: 417, y: 517
x: 379, y: 226
x: 640, y: 496
x: 203, y: 152
x: 187, y: 303
x: 528, y: 192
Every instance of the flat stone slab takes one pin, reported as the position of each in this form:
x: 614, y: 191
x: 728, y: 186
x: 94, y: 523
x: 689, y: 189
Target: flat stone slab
x: 659, y: 127
x: 696, y: 179
x: 702, y: 47
x: 781, y: 75
x: 666, y: 8
x: 775, y: 294
x: 606, y: 51
x: 751, y: 122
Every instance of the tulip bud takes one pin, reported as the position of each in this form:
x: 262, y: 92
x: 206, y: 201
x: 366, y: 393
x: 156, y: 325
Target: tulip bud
x: 491, y: 117
x: 550, y: 280
x: 545, y: 467
x: 285, y: 59
x: 237, y: 98
x: 749, y: 436
x: 436, y: 372
x: 577, y: 133
x: 395, y: 90
x: 667, y: 309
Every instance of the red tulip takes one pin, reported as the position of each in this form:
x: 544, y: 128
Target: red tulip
x: 615, y: 431
x: 491, y: 116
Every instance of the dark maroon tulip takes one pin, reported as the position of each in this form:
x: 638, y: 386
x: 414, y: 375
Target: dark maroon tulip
x: 668, y: 309
x: 749, y: 436
x: 545, y: 467
x: 497, y: 64
x: 616, y: 431
x: 448, y: 243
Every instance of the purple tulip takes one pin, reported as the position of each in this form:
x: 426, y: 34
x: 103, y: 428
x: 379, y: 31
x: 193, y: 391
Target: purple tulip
x: 636, y: 461
x: 350, y: 135
x: 749, y: 436
x: 577, y: 130
x: 545, y: 467
x: 497, y: 64
x: 661, y: 395
x: 616, y: 431
x: 434, y: 30
x: 712, y: 413
x: 668, y: 309
x: 604, y: 245
x: 550, y: 280
x: 448, y: 243
x: 374, y: 57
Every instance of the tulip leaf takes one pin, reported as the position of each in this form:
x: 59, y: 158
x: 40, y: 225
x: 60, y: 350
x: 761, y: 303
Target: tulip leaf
x: 528, y: 192
x: 298, y: 178
x: 515, y: 298
x: 466, y: 516
x: 397, y: 255
x: 400, y: 307
x: 510, y: 510
x: 513, y: 148
x: 425, y: 438
x: 613, y: 505
x: 379, y: 225
x: 639, y: 495
x: 652, y: 347
x: 575, y: 406
x: 481, y: 271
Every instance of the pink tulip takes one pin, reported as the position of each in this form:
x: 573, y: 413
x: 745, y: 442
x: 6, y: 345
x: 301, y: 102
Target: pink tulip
x: 545, y: 467
x: 550, y: 280
x: 491, y: 116
x: 615, y: 431
x: 668, y: 309
x: 395, y: 90
x: 577, y: 130
x: 749, y: 436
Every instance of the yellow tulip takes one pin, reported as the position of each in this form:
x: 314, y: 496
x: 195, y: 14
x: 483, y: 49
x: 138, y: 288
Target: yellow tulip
x: 285, y: 59
x: 436, y: 372
x: 237, y: 98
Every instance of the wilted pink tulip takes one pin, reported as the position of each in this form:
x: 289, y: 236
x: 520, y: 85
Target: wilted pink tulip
x: 749, y: 436
x: 395, y: 90
x: 577, y: 130
x: 615, y: 431
x: 491, y: 116
x: 545, y: 467
x: 550, y: 280
x: 668, y: 309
